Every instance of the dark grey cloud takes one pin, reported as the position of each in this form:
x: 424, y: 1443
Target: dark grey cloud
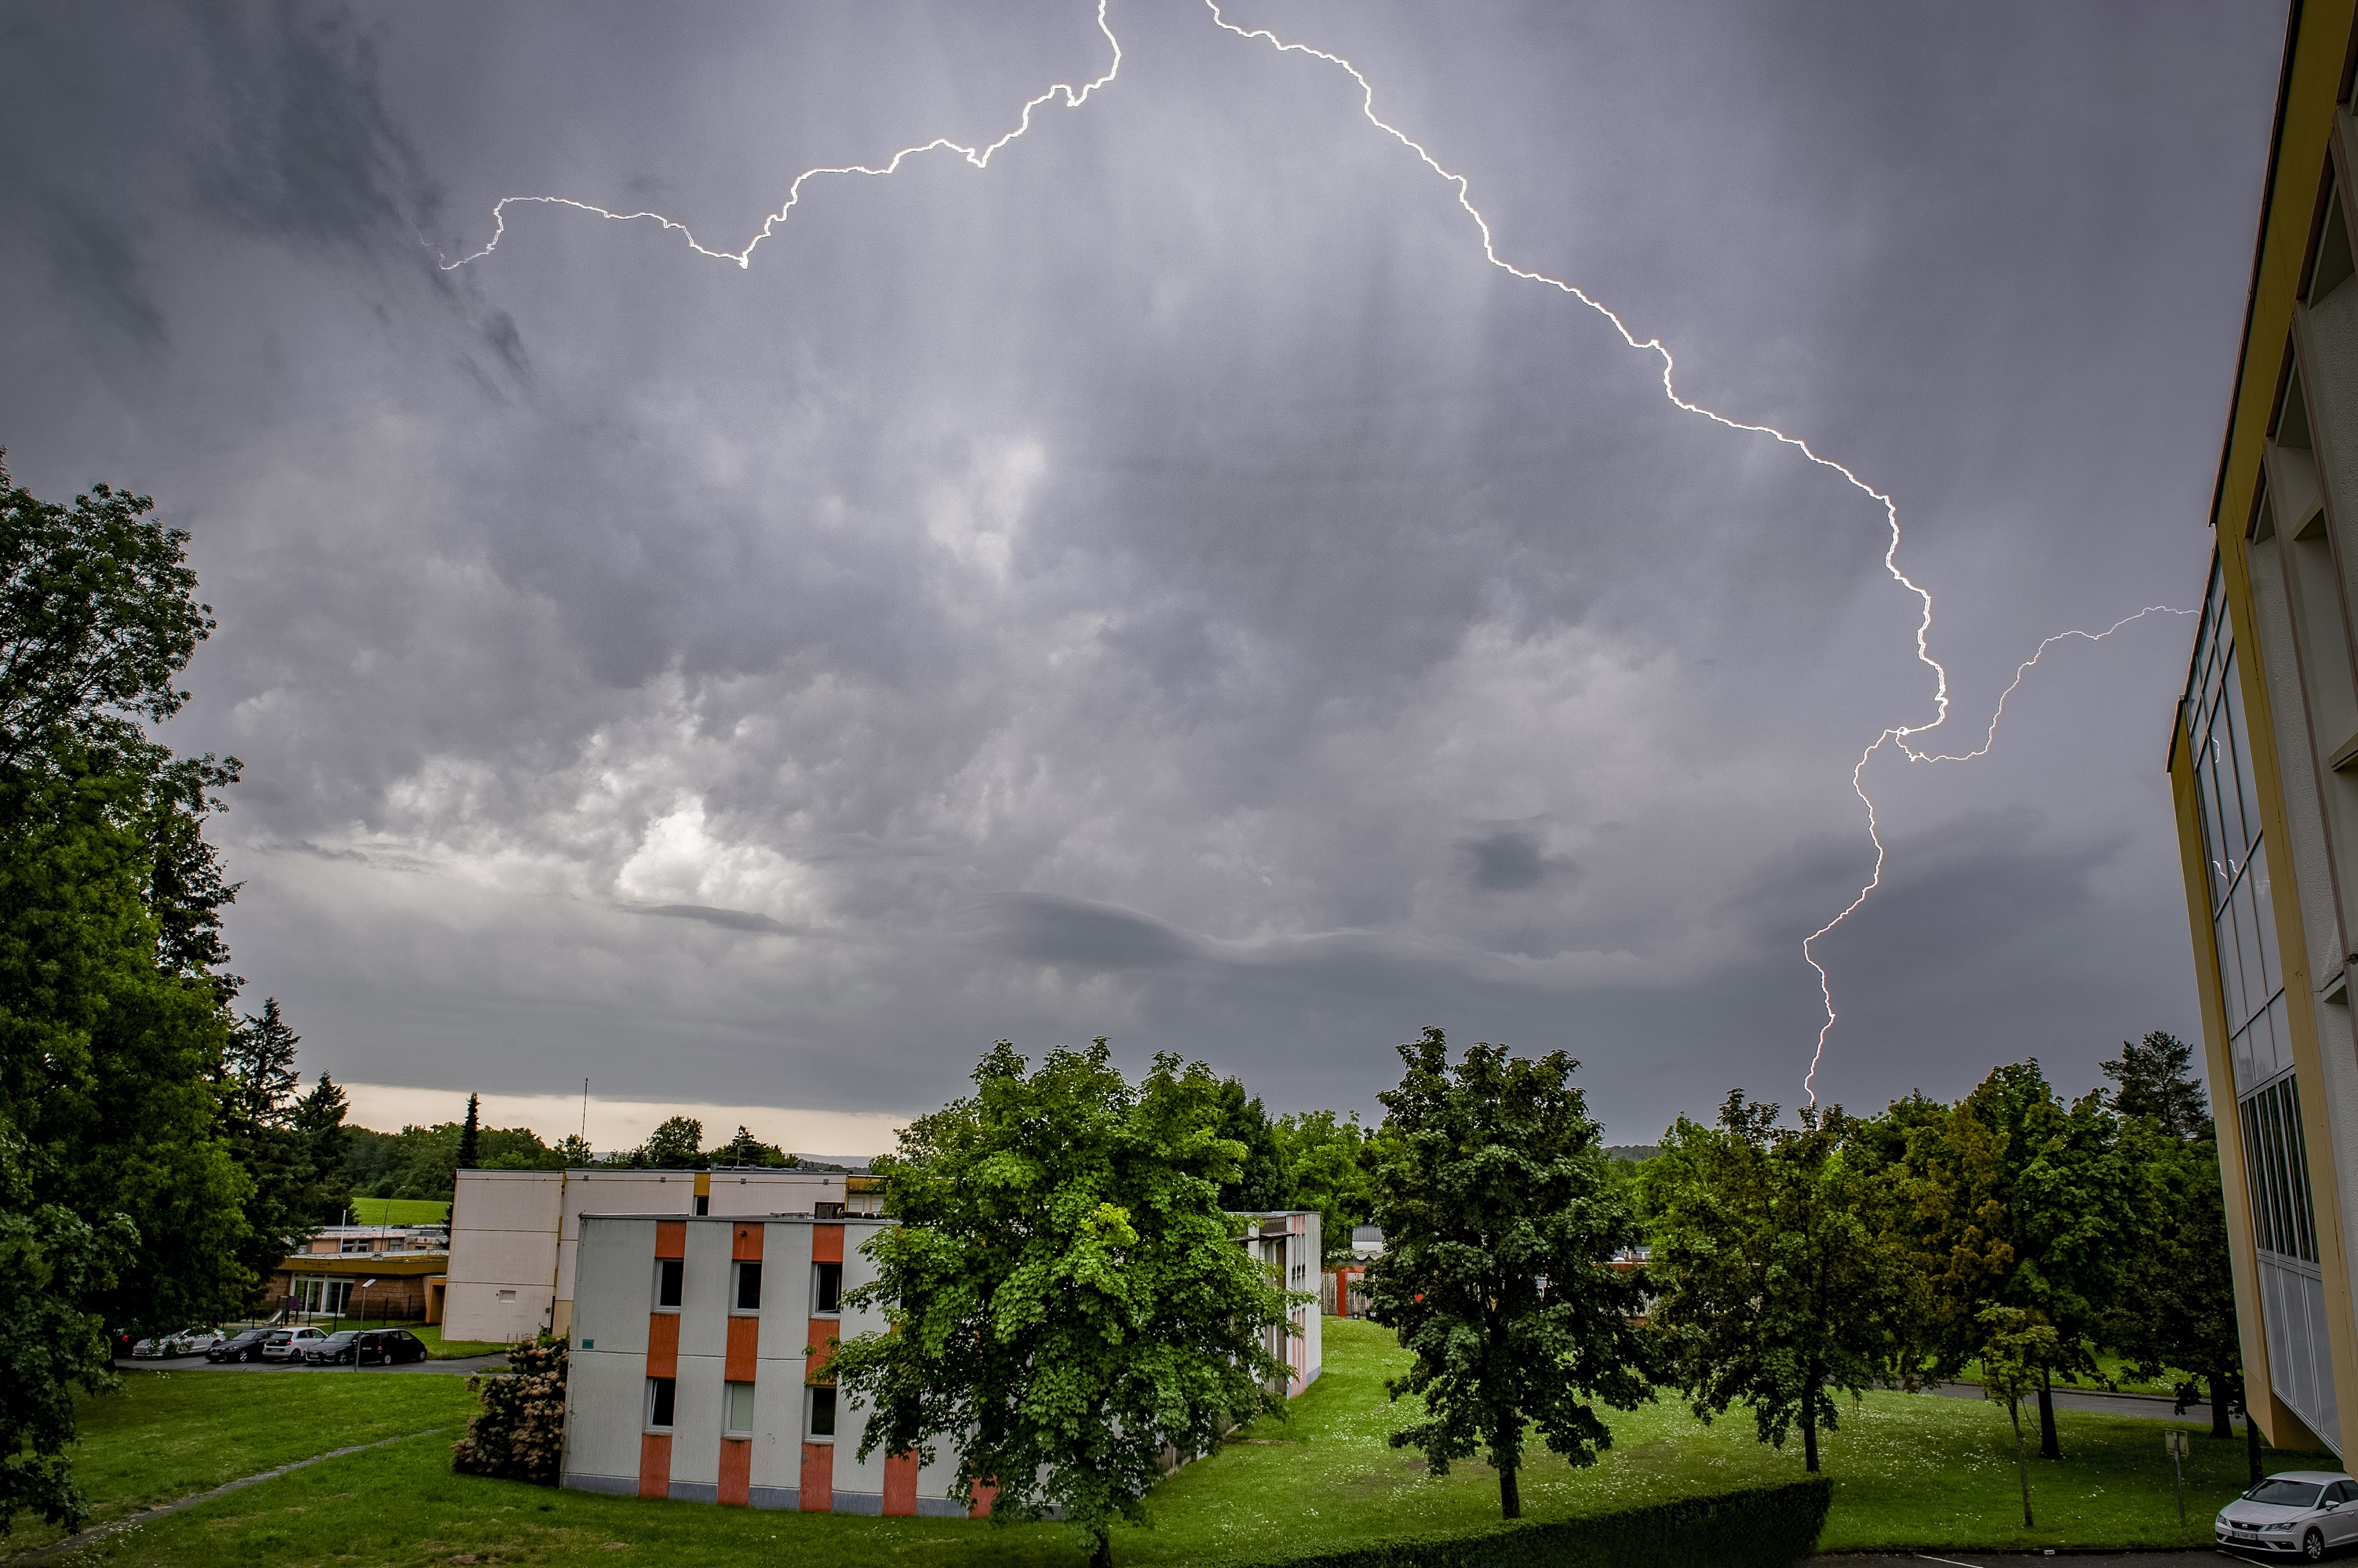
x: 1166, y: 585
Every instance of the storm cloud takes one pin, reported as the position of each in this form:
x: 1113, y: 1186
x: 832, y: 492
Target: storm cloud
x: 1167, y: 584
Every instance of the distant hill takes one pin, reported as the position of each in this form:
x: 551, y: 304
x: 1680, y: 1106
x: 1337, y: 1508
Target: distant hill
x: 1633, y: 1152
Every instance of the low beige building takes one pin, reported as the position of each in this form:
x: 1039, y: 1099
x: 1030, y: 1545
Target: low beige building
x: 513, y: 1234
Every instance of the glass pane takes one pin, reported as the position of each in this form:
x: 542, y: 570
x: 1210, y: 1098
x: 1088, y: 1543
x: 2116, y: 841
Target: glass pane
x: 740, y: 1407
x: 2231, y: 968
x: 2264, y: 921
x: 2254, y: 1181
x: 2296, y: 1153
x: 2216, y: 850
x: 749, y: 1287
x: 822, y: 1413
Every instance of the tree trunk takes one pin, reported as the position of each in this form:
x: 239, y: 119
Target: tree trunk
x: 2220, y: 1426
x: 1809, y: 1425
x: 2048, y: 1448
x: 1510, y: 1497
x: 1101, y: 1550
x: 2021, y: 1460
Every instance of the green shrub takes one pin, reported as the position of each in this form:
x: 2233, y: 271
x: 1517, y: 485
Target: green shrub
x: 520, y: 1436
x: 1767, y: 1527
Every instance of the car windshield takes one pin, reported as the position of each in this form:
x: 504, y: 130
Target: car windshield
x: 2284, y: 1494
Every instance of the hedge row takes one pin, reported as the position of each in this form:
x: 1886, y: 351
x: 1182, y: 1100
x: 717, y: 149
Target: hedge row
x: 1769, y: 1526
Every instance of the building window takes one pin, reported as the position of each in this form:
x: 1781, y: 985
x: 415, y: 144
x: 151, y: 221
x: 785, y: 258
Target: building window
x: 737, y: 1410
x: 2243, y: 918
x: 669, y: 1276
x: 703, y: 1204
x: 749, y: 1287
x: 660, y: 1392
x: 826, y: 1287
x: 2275, y: 1165
x: 826, y: 1211
x: 822, y: 1413
x: 322, y: 1296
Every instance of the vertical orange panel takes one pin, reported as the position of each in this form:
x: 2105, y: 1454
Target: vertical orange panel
x: 704, y: 1184
x: 827, y: 1244
x: 655, y: 1464
x: 736, y: 1471
x: 984, y: 1492
x: 663, y: 1345
x: 748, y: 1244
x: 823, y: 1330
x: 818, y: 1479
x: 671, y: 1238
x: 744, y: 1334
x: 901, y: 1484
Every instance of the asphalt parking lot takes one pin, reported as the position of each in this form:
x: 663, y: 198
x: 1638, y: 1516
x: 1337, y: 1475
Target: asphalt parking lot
x: 2207, y: 1557
x: 199, y: 1364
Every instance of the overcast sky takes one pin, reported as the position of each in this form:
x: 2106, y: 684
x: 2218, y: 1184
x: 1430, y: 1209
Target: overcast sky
x: 1165, y: 584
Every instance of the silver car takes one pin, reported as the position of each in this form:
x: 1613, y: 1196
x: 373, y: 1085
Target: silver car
x: 2305, y: 1511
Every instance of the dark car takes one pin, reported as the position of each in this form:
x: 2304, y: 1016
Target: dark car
x: 373, y: 1347
x: 244, y: 1345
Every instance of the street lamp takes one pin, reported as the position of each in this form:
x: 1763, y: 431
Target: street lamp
x: 356, y: 1334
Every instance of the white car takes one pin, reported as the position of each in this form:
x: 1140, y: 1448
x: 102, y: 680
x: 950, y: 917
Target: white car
x: 187, y: 1342
x: 2306, y: 1511
x: 289, y: 1344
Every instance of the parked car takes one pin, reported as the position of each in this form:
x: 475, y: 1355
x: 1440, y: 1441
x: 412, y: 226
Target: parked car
x: 187, y: 1342
x: 243, y: 1345
x: 374, y: 1347
x: 289, y: 1344
x: 2309, y: 1512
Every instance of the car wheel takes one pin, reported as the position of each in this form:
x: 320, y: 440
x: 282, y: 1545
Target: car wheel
x: 2312, y: 1546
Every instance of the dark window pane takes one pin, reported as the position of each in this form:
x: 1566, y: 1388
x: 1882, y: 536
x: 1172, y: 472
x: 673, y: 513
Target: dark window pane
x: 826, y: 1289
x: 749, y: 1287
x: 663, y: 1389
x: 703, y: 1204
x: 668, y: 1271
x: 822, y: 1408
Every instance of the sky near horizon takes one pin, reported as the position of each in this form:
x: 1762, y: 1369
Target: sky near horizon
x: 1165, y: 584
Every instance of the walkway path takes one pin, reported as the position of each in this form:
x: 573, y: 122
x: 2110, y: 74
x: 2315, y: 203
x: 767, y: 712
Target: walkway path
x: 100, y: 1532
x: 2157, y: 1407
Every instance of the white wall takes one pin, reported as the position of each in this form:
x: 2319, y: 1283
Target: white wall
x: 503, y: 1254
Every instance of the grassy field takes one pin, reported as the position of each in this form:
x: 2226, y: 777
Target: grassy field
x: 1909, y: 1471
x: 166, y: 1434
x: 400, y: 1211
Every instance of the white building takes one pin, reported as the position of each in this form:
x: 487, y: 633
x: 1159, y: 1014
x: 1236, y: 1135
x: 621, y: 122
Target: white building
x: 694, y: 1341
x: 513, y: 1233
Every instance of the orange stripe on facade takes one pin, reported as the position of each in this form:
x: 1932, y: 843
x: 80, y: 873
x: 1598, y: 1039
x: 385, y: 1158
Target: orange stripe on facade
x: 663, y: 1345
x: 901, y: 1484
x: 671, y: 1238
x: 818, y: 1479
x: 823, y: 1334
x: 985, y: 1493
x: 655, y: 1464
x: 744, y: 1342
x: 827, y: 1244
x: 736, y: 1471
x: 748, y: 1243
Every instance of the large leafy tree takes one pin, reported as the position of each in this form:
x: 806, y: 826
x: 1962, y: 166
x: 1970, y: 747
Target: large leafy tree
x: 1779, y: 1283
x: 1327, y: 1169
x: 123, y: 1193
x: 1502, y: 1227
x: 2178, y: 1313
x: 2022, y: 1201
x: 1064, y: 1294
x: 1259, y: 1184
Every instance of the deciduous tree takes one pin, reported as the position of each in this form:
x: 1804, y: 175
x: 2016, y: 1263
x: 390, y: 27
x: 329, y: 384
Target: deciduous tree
x: 1064, y: 1294
x: 1777, y: 1281
x: 1500, y: 1231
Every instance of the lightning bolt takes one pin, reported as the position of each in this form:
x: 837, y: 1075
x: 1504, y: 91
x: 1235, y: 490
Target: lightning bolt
x: 979, y: 155
x: 1898, y: 736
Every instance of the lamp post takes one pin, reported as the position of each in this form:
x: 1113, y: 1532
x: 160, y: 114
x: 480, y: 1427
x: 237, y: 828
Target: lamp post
x: 357, y: 1333
x: 2176, y: 1440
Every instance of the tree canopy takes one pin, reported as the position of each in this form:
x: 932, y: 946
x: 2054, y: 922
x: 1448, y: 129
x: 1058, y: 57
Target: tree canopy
x: 1065, y: 1296
x: 1501, y: 1227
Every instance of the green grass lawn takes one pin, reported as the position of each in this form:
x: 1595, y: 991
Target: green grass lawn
x: 400, y: 1211
x: 166, y: 1434
x: 1909, y: 1471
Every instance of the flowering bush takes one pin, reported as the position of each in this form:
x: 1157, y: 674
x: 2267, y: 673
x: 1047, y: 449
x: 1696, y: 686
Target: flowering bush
x: 521, y: 1433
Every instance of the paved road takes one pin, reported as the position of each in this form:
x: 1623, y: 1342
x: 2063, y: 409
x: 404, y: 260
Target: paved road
x: 2158, y: 1407
x: 463, y: 1365
x: 2207, y: 1558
